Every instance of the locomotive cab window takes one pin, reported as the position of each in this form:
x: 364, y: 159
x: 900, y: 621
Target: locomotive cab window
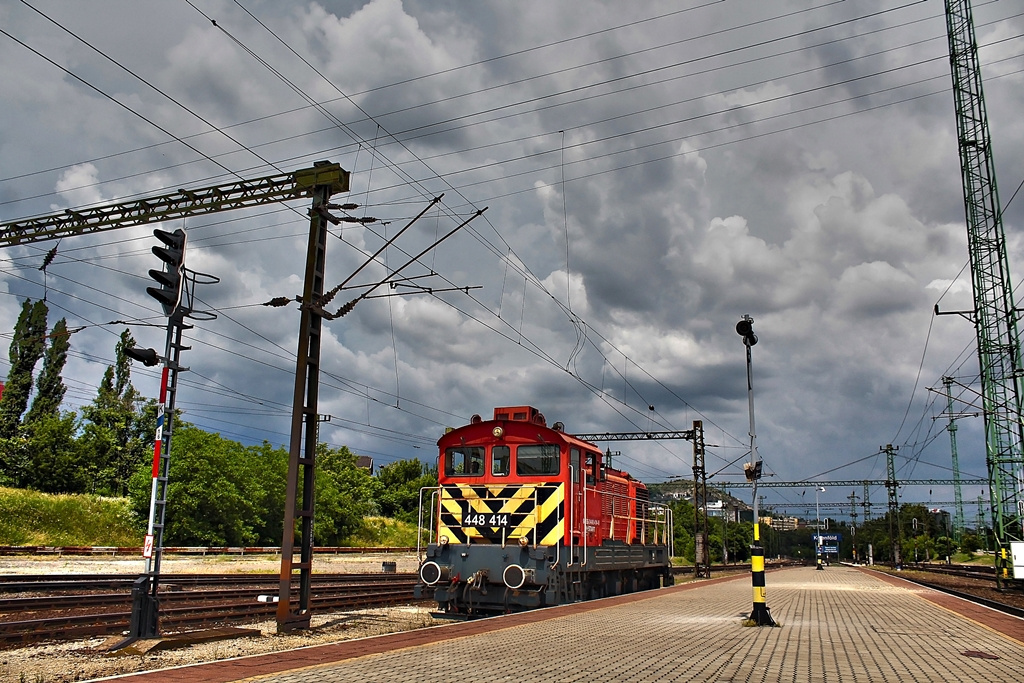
x: 465, y: 461
x: 500, y: 459
x: 537, y: 459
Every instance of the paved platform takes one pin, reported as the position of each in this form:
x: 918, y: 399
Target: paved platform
x: 841, y: 624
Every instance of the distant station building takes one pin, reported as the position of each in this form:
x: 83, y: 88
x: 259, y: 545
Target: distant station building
x: 365, y: 462
x: 782, y: 523
x: 942, y: 519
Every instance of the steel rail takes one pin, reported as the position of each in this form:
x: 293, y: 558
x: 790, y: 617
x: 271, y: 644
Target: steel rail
x: 177, y: 618
x: 41, y: 583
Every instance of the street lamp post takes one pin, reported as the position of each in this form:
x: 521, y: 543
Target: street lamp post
x: 817, y: 528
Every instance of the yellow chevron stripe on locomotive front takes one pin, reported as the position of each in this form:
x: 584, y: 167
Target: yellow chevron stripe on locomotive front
x: 495, y: 513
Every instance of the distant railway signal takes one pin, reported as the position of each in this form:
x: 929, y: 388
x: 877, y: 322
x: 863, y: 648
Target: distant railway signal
x: 745, y: 328
x: 172, y: 277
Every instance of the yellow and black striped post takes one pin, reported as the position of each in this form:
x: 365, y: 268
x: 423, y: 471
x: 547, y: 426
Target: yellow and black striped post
x: 760, y: 615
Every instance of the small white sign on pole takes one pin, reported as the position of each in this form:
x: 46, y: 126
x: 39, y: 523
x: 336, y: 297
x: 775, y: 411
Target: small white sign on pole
x: 1017, y: 551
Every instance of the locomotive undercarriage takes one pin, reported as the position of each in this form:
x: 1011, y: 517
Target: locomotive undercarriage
x: 483, y: 580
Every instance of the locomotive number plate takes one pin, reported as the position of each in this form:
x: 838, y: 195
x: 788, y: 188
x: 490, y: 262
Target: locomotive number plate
x: 486, y: 520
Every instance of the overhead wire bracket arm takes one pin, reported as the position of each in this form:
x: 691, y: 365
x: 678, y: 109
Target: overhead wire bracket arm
x: 348, y: 307
x: 966, y: 315
x: 425, y: 290
x: 330, y: 295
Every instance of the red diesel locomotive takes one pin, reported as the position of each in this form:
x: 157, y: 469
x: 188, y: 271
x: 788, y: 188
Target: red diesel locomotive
x: 525, y: 515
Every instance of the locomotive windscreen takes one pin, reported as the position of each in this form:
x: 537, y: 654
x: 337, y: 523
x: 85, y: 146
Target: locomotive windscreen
x: 537, y: 459
x: 464, y: 461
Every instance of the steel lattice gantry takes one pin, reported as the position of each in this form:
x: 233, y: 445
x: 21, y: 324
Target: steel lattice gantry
x: 702, y: 554
x: 180, y: 204
x: 687, y: 434
x: 995, y: 315
x: 768, y: 484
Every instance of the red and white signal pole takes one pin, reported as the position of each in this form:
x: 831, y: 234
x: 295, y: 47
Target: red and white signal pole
x: 157, y: 450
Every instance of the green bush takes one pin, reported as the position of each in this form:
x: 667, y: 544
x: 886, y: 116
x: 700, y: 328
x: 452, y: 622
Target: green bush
x: 383, y: 532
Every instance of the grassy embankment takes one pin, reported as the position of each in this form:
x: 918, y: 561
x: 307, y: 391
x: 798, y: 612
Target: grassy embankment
x: 32, y: 518
x: 982, y: 558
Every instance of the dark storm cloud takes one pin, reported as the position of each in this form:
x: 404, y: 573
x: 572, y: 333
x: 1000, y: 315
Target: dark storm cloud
x: 835, y: 222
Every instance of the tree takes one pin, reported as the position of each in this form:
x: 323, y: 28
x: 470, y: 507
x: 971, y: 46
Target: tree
x: 116, y: 434
x: 400, y: 488
x: 222, y: 493
x: 740, y: 537
x: 214, y: 493
x: 970, y: 543
x: 45, y: 455
x: 26, y: 349
x: 270, y: 467
x: 53, y: 456
x: 683, y: 529
x: 344, y: 495
x: 50, y: 385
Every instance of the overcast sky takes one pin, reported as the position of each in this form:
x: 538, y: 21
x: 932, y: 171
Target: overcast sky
x: 650, y: 176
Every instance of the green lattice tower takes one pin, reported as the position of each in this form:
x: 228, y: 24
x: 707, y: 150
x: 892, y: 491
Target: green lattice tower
x: 958, y: 510
x: 995, y: 316
x: 702, y: 556
x: 866, y: 501
x: 895, y: 531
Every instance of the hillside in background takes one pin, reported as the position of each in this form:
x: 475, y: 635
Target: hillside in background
x: 683, y: 490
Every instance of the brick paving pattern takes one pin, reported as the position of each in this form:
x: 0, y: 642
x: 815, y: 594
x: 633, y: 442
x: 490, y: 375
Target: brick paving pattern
x: 837, y: 625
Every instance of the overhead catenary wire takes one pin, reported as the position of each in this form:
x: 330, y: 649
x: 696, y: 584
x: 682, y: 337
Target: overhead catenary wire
x: 404, y: 133
x: 315, y: 104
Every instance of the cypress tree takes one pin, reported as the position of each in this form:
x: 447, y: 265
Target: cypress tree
x: 27, y: 348
x: 50, y: 384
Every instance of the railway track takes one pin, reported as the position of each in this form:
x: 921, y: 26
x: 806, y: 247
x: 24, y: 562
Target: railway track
x: 973, y: 571
x: 48, y: 583
x: 968, y: 582
x: 69, y: 607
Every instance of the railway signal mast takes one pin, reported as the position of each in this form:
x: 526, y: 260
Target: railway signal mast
x: 994, y: 314
x: 145, y: 605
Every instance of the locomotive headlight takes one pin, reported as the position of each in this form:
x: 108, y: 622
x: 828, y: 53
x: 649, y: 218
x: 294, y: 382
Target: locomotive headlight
x: 515, y: 576
x: 443, y: 541
x: 498, y: 432
x: 432, y: 573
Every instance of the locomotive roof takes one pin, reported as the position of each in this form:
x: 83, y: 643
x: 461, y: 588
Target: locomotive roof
x: 525, y: 415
